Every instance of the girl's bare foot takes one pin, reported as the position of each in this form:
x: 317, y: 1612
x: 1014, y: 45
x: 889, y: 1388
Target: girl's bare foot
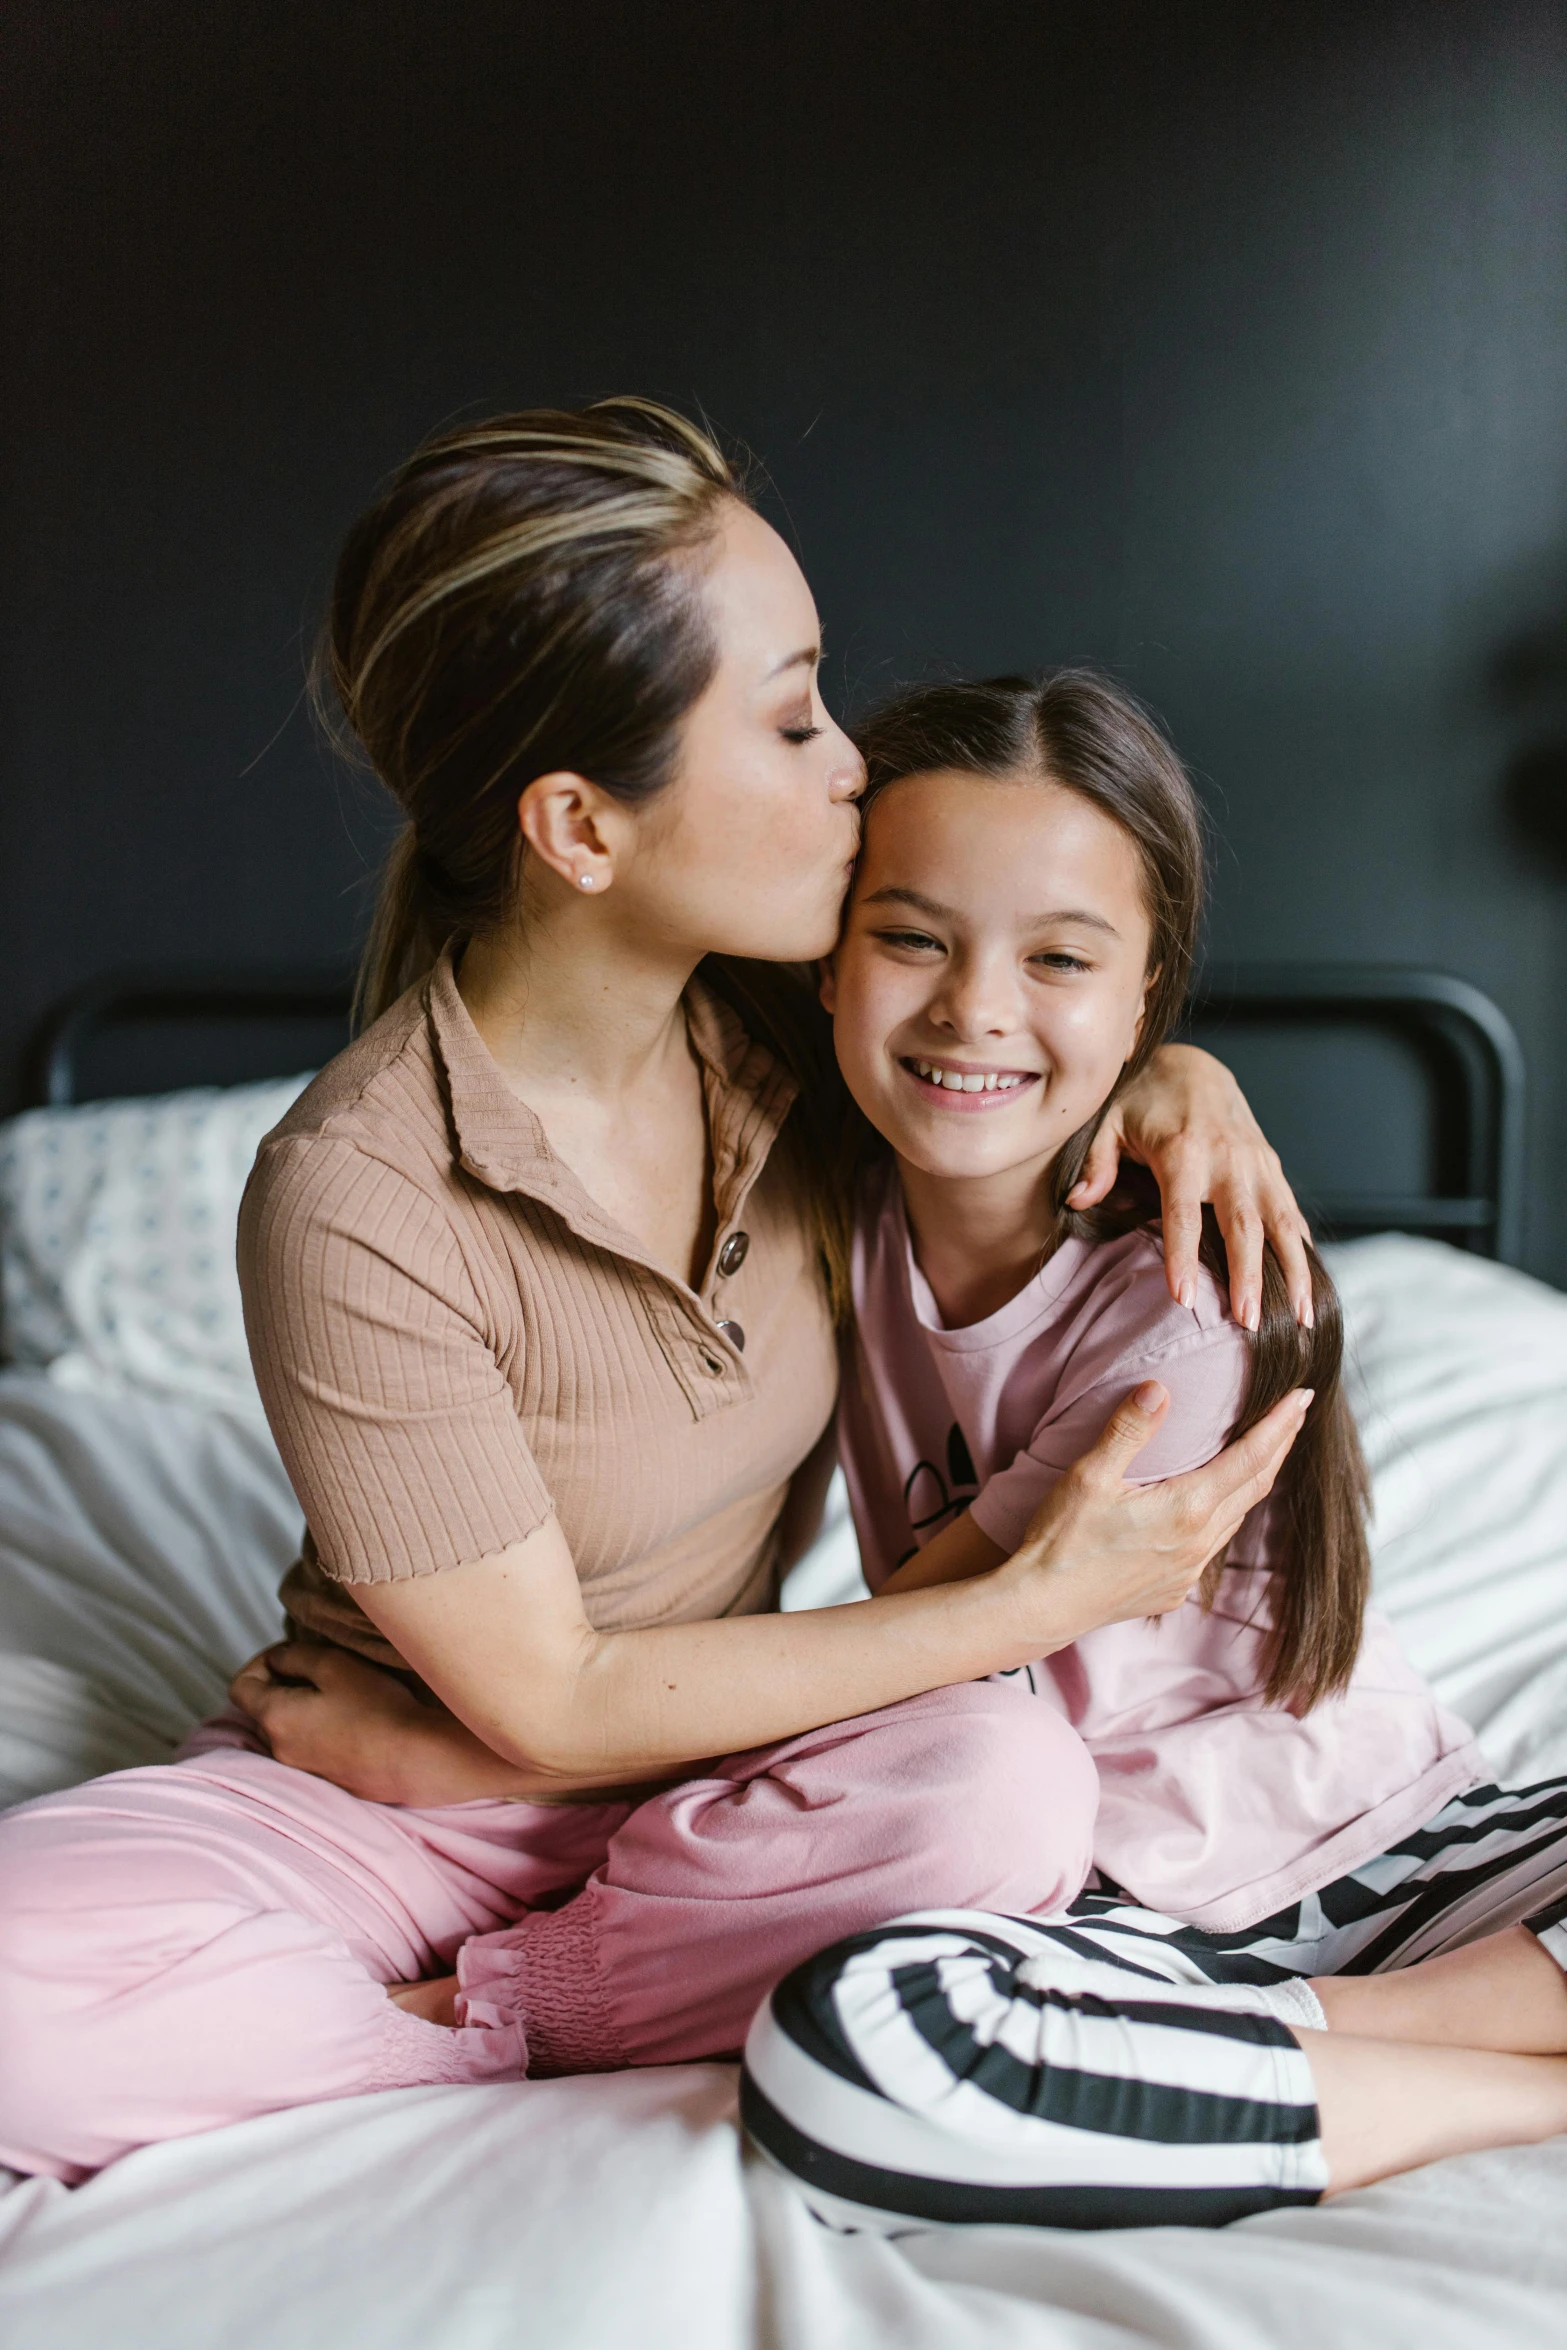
x: 435, y: 2003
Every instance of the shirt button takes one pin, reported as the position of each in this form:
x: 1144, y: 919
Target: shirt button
x: 735, y: 1335
x: 733, y: 1253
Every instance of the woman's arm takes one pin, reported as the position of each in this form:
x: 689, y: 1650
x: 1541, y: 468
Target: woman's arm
x: 1186, y: 1119
x: 505, y: 1642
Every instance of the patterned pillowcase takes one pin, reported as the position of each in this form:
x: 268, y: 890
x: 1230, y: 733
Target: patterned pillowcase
x: 117, y: 1226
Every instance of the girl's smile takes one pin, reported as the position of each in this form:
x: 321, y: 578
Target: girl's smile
x: 966, y: 1085
x: 989, y: 986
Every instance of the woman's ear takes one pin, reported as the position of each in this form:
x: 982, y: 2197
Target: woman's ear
x: 827, y: 983
x: 560, y: 817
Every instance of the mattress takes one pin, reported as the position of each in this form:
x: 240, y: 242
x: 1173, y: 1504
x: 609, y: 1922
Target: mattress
x: 140, y: 1543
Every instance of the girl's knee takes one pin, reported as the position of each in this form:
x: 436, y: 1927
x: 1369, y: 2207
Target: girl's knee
x: 1019, y: 1796
x: 834, y: 2080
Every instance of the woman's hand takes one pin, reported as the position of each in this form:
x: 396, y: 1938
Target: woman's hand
x: 1100, y: 1551
x: 328, y: 1712
x: 1187, y: 1120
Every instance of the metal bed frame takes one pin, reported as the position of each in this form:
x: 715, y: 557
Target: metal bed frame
x: 1475, y: 1064
x: 1466, y: 1043
x: 173, y: 996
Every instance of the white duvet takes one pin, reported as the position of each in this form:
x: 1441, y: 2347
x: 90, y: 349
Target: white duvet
x: 140, y: 1542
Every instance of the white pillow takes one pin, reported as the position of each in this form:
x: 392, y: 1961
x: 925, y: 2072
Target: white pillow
x: 117, y: 1225
x: 1457, y: 1375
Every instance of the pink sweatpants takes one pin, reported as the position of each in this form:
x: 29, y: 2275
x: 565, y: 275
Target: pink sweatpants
x: 189, y: 1945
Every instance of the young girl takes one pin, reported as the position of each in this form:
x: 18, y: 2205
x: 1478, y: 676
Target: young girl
x: 1272, y: 1773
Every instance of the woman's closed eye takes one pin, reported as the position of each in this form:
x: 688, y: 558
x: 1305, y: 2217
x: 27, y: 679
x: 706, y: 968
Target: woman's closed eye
x: 1061, y: 959
x: 800, y: 724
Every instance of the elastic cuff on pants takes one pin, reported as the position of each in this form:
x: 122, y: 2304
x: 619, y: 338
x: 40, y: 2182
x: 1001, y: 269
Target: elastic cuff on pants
x: 544, y: 1974
x: 418, y: 2055
x: 1295, y: 2002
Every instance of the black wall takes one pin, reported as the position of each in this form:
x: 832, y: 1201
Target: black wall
x: 1225, y: 344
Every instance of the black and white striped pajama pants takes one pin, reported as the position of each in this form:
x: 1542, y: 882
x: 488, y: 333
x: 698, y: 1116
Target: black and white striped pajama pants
x: 1110, y: 2066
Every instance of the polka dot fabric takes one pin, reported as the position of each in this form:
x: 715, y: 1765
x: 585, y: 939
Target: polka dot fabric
x: 117, y: 1224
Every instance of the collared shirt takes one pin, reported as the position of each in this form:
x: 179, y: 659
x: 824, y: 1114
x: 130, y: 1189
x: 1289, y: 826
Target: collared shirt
x: 453, y: 1339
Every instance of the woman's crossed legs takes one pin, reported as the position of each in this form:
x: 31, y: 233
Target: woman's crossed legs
x: 1115, y: 2068
x: 191, y: 1945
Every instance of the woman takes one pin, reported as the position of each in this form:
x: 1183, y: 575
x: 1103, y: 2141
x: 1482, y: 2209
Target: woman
x: 539, y: 1280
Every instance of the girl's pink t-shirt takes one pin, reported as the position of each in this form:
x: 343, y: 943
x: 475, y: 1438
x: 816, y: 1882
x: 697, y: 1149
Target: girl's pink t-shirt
x: 1213, y: 1806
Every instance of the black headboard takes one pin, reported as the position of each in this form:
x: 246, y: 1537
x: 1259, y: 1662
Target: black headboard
x: 151, y: 1030
x: 1394, y: 1097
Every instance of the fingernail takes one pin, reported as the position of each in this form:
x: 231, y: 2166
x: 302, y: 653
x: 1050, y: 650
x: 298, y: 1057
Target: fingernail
x: 1188, y: 1294
x: 1149, y: 1396
x: 1308, y: 1320
x: 1252, y: 1317
x: 1305, y: 1397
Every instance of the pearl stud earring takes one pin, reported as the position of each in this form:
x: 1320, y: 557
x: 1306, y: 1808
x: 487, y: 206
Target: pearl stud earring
x: 586, y: 880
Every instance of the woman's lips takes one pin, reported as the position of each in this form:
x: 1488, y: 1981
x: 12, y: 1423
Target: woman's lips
x: 950, y: 1085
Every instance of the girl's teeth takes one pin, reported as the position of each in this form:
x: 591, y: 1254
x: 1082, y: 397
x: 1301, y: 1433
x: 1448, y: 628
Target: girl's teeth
x: 956, y: 1082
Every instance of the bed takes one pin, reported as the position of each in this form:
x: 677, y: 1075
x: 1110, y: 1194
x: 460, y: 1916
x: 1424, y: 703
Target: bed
x: 144, y: 1519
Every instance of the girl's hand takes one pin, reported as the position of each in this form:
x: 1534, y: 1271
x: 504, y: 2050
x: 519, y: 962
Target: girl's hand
x: 1187, y: 1120
x: 1100, y: 1551
x: 341, y: 1718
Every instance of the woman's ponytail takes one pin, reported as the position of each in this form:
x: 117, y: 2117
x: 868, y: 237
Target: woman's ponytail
x: 404, y: 943
x: 522, y: 598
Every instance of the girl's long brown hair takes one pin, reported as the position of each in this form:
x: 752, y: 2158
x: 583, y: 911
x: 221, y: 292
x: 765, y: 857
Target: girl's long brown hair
x: 1077, y: 730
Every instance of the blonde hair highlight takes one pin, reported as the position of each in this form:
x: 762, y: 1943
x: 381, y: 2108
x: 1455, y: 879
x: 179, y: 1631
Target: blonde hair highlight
x: 515, y: 601
x: 524, y: 597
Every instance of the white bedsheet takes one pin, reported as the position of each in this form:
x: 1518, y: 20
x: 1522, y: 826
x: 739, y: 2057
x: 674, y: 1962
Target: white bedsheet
x: 619, y: 2214
x: 139, y: 1548
x: 141, y: 1544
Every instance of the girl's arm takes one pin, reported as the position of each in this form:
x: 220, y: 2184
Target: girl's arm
x: 1204, y: 1374
x: 959, y: 1552
x: 506, y: 1644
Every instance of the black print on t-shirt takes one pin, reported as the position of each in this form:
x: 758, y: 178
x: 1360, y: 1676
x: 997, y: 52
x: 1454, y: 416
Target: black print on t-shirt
x: 928, y: 1496
x: 960, y: 1461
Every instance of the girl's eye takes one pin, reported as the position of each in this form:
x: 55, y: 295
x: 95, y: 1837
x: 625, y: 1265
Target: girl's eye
x: 1060, y: 960
x: 918, y: 940
x: 800, y: 734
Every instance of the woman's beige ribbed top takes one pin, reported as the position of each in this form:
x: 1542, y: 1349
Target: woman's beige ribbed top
x: 452, y: 1339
